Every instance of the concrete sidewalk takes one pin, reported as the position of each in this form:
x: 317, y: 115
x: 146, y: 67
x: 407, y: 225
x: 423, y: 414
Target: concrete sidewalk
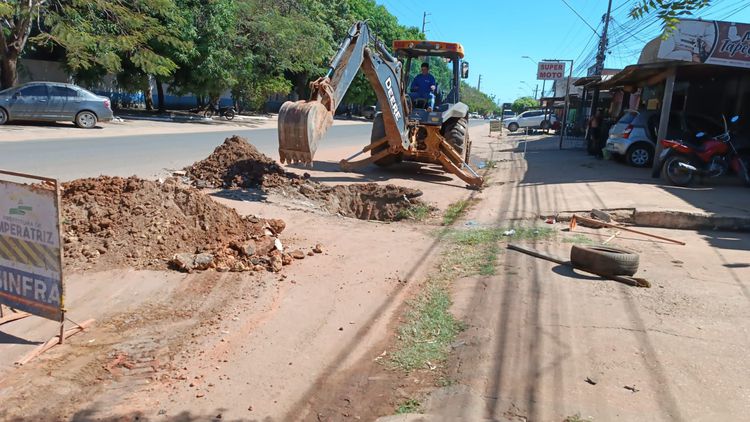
x: 548, y: 181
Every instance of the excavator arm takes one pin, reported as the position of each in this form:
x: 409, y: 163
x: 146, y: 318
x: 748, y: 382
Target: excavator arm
x: 303, y: 123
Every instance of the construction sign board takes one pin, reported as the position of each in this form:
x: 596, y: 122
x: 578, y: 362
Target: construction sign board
x: 30, y: 251
x: 710, y: 42
x: 550, y: 71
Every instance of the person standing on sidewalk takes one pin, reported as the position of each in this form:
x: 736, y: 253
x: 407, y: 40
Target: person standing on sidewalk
x: 594, y: 134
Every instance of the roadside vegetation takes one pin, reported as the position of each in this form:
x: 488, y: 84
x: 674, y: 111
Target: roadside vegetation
x: 424, y: 339
x: 456, y: 210
x: 201, y: 47
x: 416, y: 212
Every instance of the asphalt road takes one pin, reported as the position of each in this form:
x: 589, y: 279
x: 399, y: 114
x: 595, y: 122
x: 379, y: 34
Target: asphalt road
x: 148, y: 156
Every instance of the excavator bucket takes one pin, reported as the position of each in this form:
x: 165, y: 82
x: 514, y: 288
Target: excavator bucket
x: 301, y: 125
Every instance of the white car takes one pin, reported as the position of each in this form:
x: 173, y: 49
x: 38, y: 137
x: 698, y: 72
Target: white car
x: 535, y: 119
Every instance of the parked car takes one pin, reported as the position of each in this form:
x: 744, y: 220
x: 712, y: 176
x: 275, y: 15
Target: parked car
x: 508, y: 114
x: 51, y: 101
x: 634, y: 135
x: 535, y: 119
x: 368, y: 112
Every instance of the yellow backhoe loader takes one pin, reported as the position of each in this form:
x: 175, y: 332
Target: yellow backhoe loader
x: 406, y: 129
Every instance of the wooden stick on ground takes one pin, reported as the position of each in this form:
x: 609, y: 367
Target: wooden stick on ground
x: 13, y: 316
x: 576, y: 218
x: 630, y: 281
x: 54, y: 341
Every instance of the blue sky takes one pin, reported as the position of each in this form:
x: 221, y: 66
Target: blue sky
x: 495, y: 34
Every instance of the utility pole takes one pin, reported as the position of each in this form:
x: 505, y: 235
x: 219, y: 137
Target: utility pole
x: 600, y: 56
x: 479, y: 84
x: 424, y: 21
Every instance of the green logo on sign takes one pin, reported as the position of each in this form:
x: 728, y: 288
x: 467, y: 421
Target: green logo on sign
x: 20, y: 210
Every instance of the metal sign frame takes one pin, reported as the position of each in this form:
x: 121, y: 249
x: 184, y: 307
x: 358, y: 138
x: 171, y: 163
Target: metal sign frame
x: 29, y: 253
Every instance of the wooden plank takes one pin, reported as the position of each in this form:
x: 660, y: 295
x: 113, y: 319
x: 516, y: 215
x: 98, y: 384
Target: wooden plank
x: 13, y: 316
x: 54, y: 341
x: 573, y: 224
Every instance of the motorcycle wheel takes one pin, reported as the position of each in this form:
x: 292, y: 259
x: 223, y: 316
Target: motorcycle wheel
x: 675, y: 174
x: 229, y: 114
x: 208, y: 114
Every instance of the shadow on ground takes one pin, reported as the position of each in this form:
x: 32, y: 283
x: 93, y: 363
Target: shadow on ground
x: 548, y: 165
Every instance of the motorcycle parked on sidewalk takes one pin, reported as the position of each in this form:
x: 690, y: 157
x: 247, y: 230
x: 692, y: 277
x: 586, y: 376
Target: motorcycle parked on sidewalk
x: 682, y: 161
x: 225, y: 112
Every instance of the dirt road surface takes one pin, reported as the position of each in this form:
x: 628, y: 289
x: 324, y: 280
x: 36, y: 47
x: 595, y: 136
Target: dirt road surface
x: 308, y: 344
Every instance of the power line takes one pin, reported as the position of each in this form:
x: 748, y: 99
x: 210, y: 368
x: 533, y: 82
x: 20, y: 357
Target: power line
x: 579, y: 16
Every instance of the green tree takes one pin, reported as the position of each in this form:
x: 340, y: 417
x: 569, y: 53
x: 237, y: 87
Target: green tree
x: 669, y: 11
x: 94, y: 33
x: 477, y: 101
x: 16, y: 20
x: 210, y: 66
x: 523, y: 103
x: 300, y: 45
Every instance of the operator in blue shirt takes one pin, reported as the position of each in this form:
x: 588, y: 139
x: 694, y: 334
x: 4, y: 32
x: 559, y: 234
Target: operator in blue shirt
x: 423, y: 86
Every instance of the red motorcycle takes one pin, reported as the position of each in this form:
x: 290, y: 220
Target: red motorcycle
x: 682, y: 161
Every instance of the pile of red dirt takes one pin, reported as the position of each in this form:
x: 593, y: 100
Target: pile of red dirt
x: 116, y: 222
x: 238, y: 164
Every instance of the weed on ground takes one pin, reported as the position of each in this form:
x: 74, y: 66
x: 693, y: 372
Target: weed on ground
x: 455, y: 210
x: 415, y: 212
x: 409, y: 406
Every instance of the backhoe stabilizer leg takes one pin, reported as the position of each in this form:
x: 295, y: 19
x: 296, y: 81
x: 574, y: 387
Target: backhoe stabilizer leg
x: 453, y: 163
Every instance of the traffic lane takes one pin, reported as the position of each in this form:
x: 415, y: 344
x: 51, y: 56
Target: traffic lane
x: 149, y: 155
x: 146, y: 156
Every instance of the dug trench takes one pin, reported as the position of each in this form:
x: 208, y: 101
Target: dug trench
x: 238, y: 165
x: 131, y: 223
x: 135, y: 223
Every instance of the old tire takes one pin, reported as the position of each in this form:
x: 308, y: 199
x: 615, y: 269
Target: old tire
x: 378, y: 132
x: 513, y: 127
x: 456, y: 133
x: 604, y: 260
x: 86, y: 119
x: 3, y: 116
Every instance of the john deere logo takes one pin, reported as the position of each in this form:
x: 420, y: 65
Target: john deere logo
x: 20, y: 210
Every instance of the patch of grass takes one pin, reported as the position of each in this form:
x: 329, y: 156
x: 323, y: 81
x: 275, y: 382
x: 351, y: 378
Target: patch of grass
x: 428, y: 331
x: 415, y: 212
x: 487, y: 235
x: 409, y: 406
x: 425, y: 337
x: 578, y: 239
x: 454, y: 211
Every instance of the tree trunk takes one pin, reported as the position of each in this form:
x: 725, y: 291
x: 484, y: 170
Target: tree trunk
x: 149, y: 94
x: 8, y: 71
x: 160, y: 92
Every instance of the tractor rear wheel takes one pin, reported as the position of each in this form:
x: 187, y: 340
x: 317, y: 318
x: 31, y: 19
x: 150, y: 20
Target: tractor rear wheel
x: 378, y: 132
x: 456, y: 132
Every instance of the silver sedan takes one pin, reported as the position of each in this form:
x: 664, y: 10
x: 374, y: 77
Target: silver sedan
x: 51, y: 102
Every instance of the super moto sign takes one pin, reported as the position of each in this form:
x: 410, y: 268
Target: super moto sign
x: 30, y: 270
x: 710, y: 42
x: 550, y: 70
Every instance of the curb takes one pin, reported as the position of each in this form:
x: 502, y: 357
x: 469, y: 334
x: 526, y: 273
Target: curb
x: 669, y: 219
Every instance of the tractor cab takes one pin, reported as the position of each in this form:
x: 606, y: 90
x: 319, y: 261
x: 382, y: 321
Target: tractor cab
x: 448, y: 68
